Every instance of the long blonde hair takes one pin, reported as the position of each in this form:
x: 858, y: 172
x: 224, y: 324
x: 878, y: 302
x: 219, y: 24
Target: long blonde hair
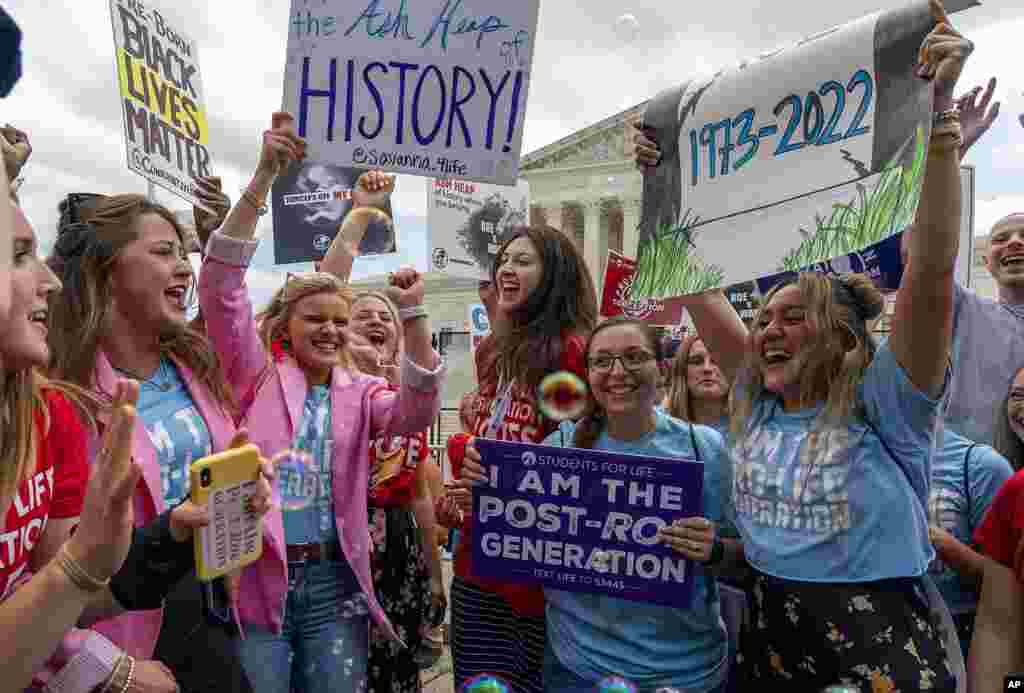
x: 399, y: 332
x: 678, y: 400
x: 839, y: 350
x: 22, y: 395
x: 273, y: 320
x: 83, y: 259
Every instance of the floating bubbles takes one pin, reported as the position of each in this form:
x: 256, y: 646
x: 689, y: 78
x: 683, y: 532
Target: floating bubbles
x: 297, y: 478
x: 615, y: 684
x: 485, y: 683
x: 627, y: 27
x: 562, y: 396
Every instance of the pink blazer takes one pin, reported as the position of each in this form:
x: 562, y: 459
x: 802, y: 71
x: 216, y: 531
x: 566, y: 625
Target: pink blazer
x: 137, y: 632
x: 362, y: 408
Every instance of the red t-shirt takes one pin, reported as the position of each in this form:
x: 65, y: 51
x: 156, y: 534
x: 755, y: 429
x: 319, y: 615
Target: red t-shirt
x: 1000, y: 532
x: 393, y: 463
x: 523, y: 422
x: 55, y: 489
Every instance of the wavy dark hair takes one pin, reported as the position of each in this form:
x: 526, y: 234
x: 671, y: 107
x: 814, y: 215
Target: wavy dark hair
x: 589, y: 428
x: 89, y: 242
x: 530, y: 341
x: 1006, y: 442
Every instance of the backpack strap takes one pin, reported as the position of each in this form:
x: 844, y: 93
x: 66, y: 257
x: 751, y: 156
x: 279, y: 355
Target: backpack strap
x: 693, y: 442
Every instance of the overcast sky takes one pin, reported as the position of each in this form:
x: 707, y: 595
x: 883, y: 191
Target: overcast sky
x: 583, y: 71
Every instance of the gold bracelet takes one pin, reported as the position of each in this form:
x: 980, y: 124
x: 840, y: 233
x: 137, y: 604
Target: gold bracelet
x: 131, y: 675
x: 121, y: 663
x: 78, y: 575
x: 250, y: 197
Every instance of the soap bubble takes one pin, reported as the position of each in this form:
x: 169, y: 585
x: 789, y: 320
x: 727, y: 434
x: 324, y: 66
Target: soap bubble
x: 615, y: 684
x: 485, y: 683
x: 297, y: 478
x: 627, y: 27
x: 562, y: 396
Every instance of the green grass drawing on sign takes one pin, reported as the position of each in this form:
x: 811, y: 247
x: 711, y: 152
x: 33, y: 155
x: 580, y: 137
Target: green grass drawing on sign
x: 668, y: 266
x: 869, y: 218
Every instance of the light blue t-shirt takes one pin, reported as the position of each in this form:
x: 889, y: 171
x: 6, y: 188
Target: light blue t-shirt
x: 841, y: 504
x: 952, y: 508
x: 306, y: 492
x: 988, y: 350
x: 650, y: 645
x: 175, y: 427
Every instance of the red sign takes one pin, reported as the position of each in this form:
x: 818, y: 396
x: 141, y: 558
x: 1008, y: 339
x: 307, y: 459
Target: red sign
x: 618, y: 277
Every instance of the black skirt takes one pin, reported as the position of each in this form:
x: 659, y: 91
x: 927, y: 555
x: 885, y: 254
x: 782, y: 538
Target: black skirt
x: 877, y: 636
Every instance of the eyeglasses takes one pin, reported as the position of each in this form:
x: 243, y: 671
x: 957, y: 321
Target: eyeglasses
x: 73, y: 205
x: 631, y: 361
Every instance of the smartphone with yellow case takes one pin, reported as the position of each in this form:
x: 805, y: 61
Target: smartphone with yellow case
x: 225, y: 485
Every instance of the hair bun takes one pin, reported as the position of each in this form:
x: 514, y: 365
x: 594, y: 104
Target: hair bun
x: 868, y: 300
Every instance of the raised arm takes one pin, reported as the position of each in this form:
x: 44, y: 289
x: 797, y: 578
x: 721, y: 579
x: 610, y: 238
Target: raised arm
x: 923, y: 326
x: 223, y: 294
x: 370, y: 196
x: 721, y: 330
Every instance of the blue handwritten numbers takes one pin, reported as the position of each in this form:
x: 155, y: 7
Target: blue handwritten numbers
x: 808, y: 121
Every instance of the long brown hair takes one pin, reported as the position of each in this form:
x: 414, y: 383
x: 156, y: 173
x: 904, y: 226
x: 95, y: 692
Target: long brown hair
x: 83, y: 259
x: 588, y: 430
x: 529, y: 343
x: 1006, y: 442
x: 678, y: 400
x: 839, y: 351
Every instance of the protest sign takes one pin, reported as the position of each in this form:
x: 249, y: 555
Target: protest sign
x: 796, y: 157
x: 467, y: 223
x: 424, y: 87
x: 584, y: 520
x: 662, y: 312
x: 479, y: 324
x: 310, y: 201
x: 166, y: 130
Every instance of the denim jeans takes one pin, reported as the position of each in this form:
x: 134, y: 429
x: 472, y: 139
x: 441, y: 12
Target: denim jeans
x: 323, y: 647
x: 559, y: 679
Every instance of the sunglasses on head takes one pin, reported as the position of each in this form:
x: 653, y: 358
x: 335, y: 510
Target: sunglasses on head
x: 73, y: 206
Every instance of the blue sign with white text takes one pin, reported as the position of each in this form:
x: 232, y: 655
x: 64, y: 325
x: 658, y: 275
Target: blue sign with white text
x: 584, y: 520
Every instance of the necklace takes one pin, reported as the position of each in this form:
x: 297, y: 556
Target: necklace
x: 160, y: 380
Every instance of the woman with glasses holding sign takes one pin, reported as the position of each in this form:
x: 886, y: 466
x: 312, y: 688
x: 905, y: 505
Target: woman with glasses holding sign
x: 593, y: 636
x: 308, y: 607
x: 545, y: 305
x: 831, y: 438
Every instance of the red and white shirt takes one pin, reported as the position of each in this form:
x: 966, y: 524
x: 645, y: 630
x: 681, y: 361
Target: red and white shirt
x: 54, y: 489
x: 1001, y: 532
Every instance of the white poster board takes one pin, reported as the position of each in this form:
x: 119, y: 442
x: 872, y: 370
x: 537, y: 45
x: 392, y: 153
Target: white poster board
x: 965, y: 258
x: 166, y: 129
x: 799, y: 156
x: 426, y: 87
x: 467, y: 222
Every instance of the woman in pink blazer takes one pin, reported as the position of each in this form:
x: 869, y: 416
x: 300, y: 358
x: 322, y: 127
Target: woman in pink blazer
x: 306, y: 604
x: 127, y: 281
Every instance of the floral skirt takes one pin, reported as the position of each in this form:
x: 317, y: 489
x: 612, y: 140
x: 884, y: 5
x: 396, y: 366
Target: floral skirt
x: 402, y: 583
x: 876, y: 636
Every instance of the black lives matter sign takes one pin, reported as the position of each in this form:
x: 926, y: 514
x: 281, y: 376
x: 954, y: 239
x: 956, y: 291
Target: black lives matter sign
x: 165, y: 122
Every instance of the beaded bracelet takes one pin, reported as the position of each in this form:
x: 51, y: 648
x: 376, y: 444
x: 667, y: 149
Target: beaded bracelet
x: 131, y: 675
